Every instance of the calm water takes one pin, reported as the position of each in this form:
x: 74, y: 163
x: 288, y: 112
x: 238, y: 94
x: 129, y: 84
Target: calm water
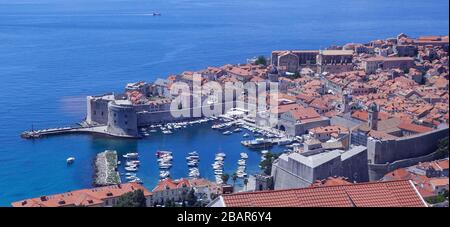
x: 54, y: 53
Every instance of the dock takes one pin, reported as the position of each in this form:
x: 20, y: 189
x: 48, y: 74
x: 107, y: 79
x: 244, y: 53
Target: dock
x: 102, y: 129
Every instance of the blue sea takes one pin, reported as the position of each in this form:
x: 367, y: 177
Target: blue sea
x: 53, y: 53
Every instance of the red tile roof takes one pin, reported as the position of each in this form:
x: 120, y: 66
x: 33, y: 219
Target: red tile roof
x: 374, y: 194
x: 86, y: 197
x: 414, y: 128
x: 171, y: 184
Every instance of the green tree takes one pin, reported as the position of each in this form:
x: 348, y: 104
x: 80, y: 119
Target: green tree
x: 266, y: 164
x: 132, y: 199
x: 234, y: 178
x: 261, y: 60
x: 191, y: 198
x: 225, y: 178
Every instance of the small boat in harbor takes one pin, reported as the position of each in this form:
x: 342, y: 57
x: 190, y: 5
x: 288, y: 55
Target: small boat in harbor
x: 70, y: 160
x: 131, y: 155
x: 131, y: 169
x: 244, y: 155
x: 246, y: 135
x: 237, y: 130
x: 167, y: 132
x: 164, y: 174
x: 194, y: 153
x: 221, y: 155
x: 227, y: 133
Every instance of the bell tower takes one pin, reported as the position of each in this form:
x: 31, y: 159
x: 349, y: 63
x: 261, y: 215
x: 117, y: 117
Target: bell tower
x: 373, y: 116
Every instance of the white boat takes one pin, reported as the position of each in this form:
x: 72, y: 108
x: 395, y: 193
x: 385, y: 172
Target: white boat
x: 246, y: 135
x: 237, y: 130
x: 164, y: 174
x: 192, y: 164
x: 130, y: 174
x: 194, y: 153
x: 70, y: 160
x: 165, y: 165
x: 219, y: 158
x: 264, y: 151
x: 227, y: 133
x: 131, y: 177
x: 244, y: 155
x: 153, y: 130
x: 167, y: 132
x: 221, y: 154
x: 131, y: 155
x: 131, y: 169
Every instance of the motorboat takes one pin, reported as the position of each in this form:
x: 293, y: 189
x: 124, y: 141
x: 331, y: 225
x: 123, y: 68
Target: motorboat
x: 167, y: 132
x: 164, y: 174
x: 70, y: 160
x: 131, y: 169
x: 131, y: 155
x: 194, y: 153
x: 244, y: 155
x: 219, y: 158
x: 192, y: 164
x: 221, y: 155
x: 237, y: 130
x: 246, y: 135
x: 227, y: 133
x: 264, y: 151
x: 257, y: 143
x: 165, y: 165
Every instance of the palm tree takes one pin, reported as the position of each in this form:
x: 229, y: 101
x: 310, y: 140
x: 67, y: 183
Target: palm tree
x: 234, y: 178
x: 225, y: 178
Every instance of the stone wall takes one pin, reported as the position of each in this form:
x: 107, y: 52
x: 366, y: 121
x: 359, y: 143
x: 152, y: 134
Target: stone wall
x: 385, y: 152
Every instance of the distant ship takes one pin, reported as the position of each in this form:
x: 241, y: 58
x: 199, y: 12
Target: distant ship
x: 156, y: 14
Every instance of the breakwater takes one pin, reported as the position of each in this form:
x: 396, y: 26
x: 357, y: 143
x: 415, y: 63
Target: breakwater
x: 106, y: 169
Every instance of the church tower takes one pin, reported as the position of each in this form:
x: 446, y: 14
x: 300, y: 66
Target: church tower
x: 373, y: 116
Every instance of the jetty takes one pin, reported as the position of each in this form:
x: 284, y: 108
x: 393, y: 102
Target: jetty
x: 106, y: 169
x: 102, y: 129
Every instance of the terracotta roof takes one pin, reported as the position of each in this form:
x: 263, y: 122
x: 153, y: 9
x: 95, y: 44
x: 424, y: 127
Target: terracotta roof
x: 331, y: 181
x: 374, y: 194
x: 168, y: 184
x: 86, y: 197
x: 414, y: 128
x: 363, y: 115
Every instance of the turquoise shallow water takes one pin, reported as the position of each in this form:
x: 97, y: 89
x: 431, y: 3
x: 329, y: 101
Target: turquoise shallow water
x: 54, y: 53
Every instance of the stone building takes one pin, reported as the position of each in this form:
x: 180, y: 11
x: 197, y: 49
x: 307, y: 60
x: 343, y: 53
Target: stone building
x: 370, y: 65
x: 335, y: 61
x: 295, y: 170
